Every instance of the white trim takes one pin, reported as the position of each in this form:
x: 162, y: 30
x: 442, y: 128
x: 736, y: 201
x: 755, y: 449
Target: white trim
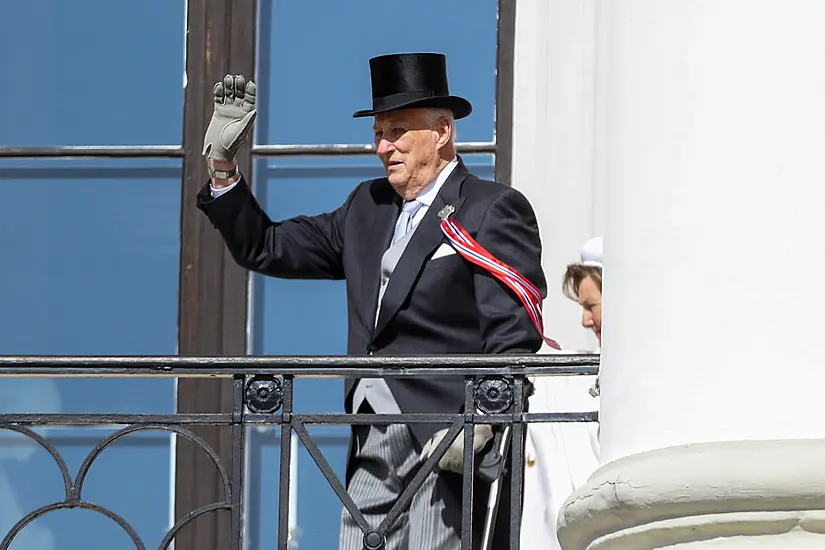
x: 555, y: 142
x: 741, y: 495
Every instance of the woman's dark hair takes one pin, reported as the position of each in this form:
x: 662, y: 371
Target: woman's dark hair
x: 574, y: 276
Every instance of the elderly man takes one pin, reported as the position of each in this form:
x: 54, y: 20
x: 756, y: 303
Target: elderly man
x: 408, y: 291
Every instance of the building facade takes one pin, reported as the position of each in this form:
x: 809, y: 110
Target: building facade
x: 689, y: 132
x: 106, y: 255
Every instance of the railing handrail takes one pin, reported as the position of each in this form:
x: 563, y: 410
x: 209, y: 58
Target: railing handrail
x: 301, y: 366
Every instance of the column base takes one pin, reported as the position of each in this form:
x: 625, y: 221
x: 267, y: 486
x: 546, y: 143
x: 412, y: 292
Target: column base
x: 745, y: 495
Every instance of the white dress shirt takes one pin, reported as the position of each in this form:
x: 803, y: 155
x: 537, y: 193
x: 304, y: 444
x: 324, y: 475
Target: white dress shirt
x: 429, y: 193
x: 223, y: 190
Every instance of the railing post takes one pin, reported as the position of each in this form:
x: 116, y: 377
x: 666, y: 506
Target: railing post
x: 517, y: 463
x: 237, y: 476
x: 286, y: 462
x: 469, y: 464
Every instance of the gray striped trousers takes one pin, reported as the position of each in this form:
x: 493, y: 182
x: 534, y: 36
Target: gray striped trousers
x: 383, y: 462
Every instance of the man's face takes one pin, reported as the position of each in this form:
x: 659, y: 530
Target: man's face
x: 590, y: 298
x: 408, y: 143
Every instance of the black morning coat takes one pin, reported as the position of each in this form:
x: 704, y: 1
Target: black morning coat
x: 441, y: 306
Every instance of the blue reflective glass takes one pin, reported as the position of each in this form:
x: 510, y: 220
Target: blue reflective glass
x: 293, y: 317
x: 262, y: 487
x: 132, y: 479
x: 314, y: 508
x: 92, y: 72
x: 92, y: 252
x: 313, y: 67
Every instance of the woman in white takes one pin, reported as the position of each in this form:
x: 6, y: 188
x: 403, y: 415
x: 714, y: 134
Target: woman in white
x: 560, y: 457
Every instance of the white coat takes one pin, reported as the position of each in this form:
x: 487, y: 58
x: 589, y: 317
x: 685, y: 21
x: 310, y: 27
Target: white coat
x: 560, y: 457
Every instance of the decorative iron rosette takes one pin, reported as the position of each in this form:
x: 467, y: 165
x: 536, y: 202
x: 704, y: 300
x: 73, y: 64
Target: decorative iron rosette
x: 494, y: 394
x: 264, y: 394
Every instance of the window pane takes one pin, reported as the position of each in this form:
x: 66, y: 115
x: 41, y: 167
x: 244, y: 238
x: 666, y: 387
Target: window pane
x: 315, y: 509
x: 313, y: 66
x: 132, y: 479
x: 85, y: 70
x: 92, y: 256
x: 293, y: 317
x: 92, y: 269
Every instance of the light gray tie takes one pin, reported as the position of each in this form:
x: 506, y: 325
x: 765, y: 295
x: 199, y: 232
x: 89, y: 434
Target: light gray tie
x: 404, y: 228
x: 375, y: 390
x: 405, y: 220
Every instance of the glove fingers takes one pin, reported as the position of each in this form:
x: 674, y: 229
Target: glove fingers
x: 250, y: 96
x: 425, y: 451
x: 453, y: 459
x: 220, y: 93
x: 240, y: 89
x: 229, y: 86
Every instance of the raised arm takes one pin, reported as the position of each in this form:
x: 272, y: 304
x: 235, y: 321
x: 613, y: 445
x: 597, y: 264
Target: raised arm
x: 305, y: 247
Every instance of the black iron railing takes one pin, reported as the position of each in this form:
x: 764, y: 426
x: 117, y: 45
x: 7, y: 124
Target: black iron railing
x: 263, y: 395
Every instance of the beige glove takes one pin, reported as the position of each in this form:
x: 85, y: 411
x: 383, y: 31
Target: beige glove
x: 232, y: 119
x: 453, y: 459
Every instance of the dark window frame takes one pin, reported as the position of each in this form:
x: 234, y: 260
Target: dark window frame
x: 213, y: 290
x: 212, y: 295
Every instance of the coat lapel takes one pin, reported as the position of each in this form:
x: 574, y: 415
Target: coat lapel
x: 378, y: 232
x: 424, y: 241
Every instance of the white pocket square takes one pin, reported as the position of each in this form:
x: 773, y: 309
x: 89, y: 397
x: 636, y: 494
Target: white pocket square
x: 444, y: 250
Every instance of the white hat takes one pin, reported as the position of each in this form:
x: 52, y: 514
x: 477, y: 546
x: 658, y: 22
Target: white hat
x: 592, y: 252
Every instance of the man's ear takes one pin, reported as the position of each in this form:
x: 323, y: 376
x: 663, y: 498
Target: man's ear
x: 445, y: 132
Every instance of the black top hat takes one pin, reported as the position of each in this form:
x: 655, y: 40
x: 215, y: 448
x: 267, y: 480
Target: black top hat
x: 407, y: 80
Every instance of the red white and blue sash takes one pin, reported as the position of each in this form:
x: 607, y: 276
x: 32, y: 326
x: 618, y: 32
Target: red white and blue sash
x: 478, y: 255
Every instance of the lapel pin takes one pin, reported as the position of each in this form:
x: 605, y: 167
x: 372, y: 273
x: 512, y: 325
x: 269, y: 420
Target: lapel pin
x: 446, y: 211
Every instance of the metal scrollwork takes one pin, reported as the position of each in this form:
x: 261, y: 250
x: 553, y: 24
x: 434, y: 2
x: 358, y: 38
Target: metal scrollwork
x: 263, y: 394
x: 494, y: 394
x: 74, y: 487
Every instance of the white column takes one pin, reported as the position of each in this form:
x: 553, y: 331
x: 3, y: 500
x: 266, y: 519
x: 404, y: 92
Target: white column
x: 712, y: 432
x: 554, y: 142
x: 555, y: 146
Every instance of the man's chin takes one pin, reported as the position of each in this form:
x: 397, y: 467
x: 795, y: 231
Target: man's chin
x: 398, y: 183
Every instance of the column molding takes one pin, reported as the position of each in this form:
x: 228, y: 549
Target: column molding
x: 741, y: 494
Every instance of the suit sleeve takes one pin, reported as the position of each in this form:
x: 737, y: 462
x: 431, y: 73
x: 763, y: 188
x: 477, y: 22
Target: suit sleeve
x: 510, y: 232
x: 303, y: 247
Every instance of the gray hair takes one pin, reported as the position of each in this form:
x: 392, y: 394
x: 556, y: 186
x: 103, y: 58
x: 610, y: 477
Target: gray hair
x: 434, y: 114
